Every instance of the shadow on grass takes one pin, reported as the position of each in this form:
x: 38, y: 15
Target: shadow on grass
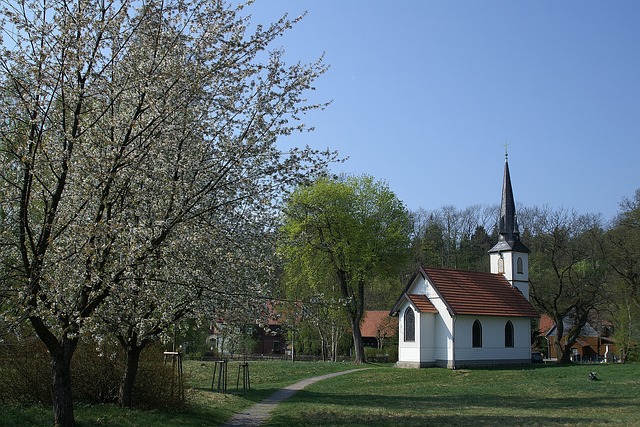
x: 253, y: 395
x: 426, y: 420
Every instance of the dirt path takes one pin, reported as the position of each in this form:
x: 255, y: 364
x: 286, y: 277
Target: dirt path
x: 257, y: 414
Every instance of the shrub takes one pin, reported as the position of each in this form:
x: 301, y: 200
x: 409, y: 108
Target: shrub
x: 96, y: 372
x: 158, y: 383
x: 25, y: 369
x: 385, y: 354
x: 633, y: 353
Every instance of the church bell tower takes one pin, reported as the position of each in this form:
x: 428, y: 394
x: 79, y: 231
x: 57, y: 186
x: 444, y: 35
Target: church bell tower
x: 510, y: 256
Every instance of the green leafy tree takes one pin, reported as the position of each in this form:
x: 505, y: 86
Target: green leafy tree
x: 352, y: 228
x: 624, y: 258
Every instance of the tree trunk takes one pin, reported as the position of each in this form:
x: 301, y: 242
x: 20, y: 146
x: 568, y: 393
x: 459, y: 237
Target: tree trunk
x: 61, y: 377
x: 60, y: 351
x: 356, y: 310
x: 335, y: 340
x: 357, y: 341
x: 565, y: 350
x: 129, y: 376
x: 323, y: 344
x: 563, y: 353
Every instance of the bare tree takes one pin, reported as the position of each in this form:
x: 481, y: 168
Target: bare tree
x: 443, y: 237
x: 567, y: 272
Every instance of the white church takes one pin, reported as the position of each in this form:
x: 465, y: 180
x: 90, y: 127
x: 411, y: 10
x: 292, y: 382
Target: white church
x: 455, y: 319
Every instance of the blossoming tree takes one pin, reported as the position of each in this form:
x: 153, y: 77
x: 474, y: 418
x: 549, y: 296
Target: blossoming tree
x: 131, y: 132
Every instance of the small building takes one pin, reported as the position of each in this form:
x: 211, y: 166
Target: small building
x: 263, y: 335
x: 453, y: 318
x: 591, y: 346
x: 378, y: 327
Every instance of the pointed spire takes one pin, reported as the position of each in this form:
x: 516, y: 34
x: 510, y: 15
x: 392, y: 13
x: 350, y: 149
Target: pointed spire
x: 508, y: 225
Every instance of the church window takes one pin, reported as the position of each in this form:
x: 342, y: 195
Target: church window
x: 500, y: 265
x: 520, y: 268
x: 477, y: 334
x: 508, y: 334
x: 409, y: 325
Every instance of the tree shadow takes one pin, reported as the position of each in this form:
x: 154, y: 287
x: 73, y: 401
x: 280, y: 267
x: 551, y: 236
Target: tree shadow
x: 429, y: 410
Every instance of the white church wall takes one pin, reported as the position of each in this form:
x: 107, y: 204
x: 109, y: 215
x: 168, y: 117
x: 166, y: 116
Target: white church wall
x: 443, y: 326
x: 418, y: 287
x: 420, y: 352
x: 522, y: 336
x: 493, y: 341
x: 506, y: 263
x: 443, y: 350
x: 408, y: 351
x: 427, y: 337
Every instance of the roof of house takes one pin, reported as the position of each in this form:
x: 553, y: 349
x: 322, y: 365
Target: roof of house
x: 374, y: 322
x: 478, y: 293
x: 546, y: 323
x: 587, y: 330
x: 474, y: 293
x: 422, y: 303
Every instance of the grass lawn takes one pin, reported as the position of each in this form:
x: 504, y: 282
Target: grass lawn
x: 204, y: 407
x: 546, y: 395
x: 383, y: 395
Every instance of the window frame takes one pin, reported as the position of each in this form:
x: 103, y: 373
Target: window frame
x: 509, y: 334
x: 476, y: 334
x: 409, y: 314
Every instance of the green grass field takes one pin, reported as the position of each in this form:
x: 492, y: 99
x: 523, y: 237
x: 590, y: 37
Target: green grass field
x: 381, y: 396
x: 538, y: 396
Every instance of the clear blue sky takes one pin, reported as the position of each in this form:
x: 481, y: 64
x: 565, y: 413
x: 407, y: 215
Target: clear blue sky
x: 425, y: 94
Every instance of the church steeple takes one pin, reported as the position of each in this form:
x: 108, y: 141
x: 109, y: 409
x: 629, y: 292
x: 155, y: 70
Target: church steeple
x: 508, y: 225
x: 510, y: 256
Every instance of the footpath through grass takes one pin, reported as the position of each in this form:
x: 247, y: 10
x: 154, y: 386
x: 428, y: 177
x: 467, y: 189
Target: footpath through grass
x: 382, y: 396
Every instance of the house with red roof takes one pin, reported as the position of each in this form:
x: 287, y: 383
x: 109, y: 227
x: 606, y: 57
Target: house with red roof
x: 594, y: 343
x: 454, y: 319
x: 377, y: 327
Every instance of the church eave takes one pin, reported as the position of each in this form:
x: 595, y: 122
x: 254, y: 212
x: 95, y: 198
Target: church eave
x: 505, y: 246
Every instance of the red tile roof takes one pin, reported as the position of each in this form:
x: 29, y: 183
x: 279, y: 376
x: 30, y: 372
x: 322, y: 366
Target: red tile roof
x: 478, y: 293
x: 546, y: 323
x: 422, y: 303
x: 375, y: 323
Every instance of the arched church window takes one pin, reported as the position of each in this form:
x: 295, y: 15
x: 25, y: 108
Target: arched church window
x: 508, y: 334
x: 519, y: 267
x: 409, y: 325
x: 477, y: 334
x: 500, y: 265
